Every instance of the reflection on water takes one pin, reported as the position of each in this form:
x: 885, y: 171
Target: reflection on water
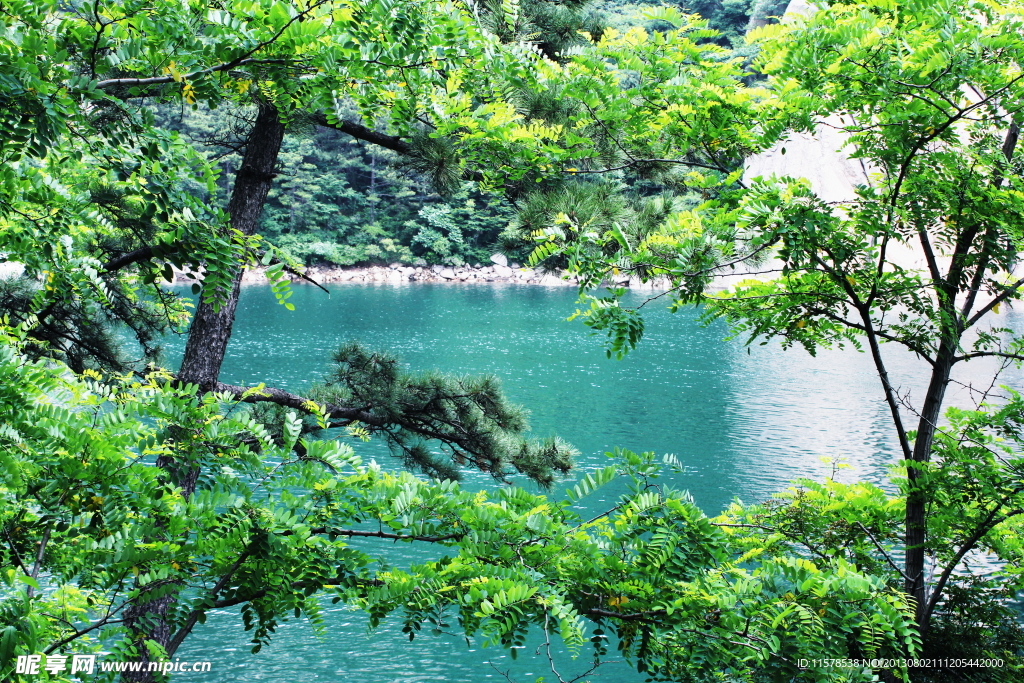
x: 743, y: 421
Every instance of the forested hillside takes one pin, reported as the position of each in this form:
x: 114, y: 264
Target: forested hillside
x: 341, y: 201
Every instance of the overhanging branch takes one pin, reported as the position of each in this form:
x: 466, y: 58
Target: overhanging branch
x: 290, y: 400
x: 242, y: 60
x: 366, y: 134
x: 125, y: 260
x: 384, y: 534
x: 164, y: 80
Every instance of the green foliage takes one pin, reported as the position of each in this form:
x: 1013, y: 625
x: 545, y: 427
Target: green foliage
x: 973, y: 481
x: 494, y: 109
x: 975, y: 620
x: 99, y: 203
x: 623, y: 325
x: 857, y: 523
x: 665, y: 115
x: 927, y: 98
x: 684, y: 603
x: 729, y: 17
x: 468, y: 417
x: 274, y: 525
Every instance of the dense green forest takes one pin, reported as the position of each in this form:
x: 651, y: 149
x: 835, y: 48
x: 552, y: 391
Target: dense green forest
x: 340, y: 201
x: 343, y: 202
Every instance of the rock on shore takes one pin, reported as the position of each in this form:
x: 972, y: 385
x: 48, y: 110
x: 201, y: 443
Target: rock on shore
x: 396, y: 274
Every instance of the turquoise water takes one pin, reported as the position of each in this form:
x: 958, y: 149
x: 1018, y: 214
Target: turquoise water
x: 744, y: 422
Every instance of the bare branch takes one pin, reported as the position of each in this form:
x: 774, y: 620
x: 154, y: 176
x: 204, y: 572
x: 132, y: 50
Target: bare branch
x: 81, y: 632
x: 303, y: 276
x: 163, y: 80
x: 989, y: 354
x: 361, y: 132
x: 1003, y: 296
x: 196, y: 613
x: 39, y: 555
x: 929, y: 255
x: 881, y: 550
x: 16, y: 556
x: 383, y: 534
x: 987, y: 525
x: 125, y: 260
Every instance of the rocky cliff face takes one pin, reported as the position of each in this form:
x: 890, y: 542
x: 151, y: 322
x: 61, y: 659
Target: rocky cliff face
x: 823, y: 159
x: 820, y: 158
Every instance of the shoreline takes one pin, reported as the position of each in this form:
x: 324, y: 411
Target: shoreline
x: 397, y: 274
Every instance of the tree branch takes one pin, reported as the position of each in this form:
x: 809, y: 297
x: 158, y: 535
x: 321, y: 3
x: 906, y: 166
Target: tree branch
x: 929, y: 255
x: 1009, y: 145
x: 361, y: 132
x: 882, y: 550
x: 1003, y: 296
x: 39, y: 555
x: 16, y: 556
x: 936, y: 132
x: 302, y: 276
x: 289, y: 400
x: 383, y: 534
x: 988, y: 354
x: 367, y: 134
x: 982, y: 529
x: 876, y: 354
x: 239, y: 61
x: 238, y: 600
x: 196, y: 613
x: 878, y: 333
x: 651, y: 616
x: 81, y: 632
x: 125, y: 260
x: 392, y: 422
x: 1010, y: 142
x: 655, y: 618
x: 163, y: 80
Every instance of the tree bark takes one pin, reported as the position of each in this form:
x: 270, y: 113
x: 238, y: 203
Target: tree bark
x: 917, y: 500
x: 211, y: 329
x: 204, y: 355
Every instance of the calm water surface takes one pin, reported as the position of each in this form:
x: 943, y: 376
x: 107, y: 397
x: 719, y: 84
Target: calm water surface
x: 744, y: 422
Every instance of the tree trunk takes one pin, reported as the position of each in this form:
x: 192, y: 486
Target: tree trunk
x: 916, y: 522
x: 204, y: 354
x: 917, y: 500
x: 211, y: 329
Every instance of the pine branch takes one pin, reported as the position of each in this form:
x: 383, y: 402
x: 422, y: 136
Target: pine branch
x: 468, y: 416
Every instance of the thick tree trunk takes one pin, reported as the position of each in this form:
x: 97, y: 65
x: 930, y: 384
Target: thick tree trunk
x: 211, y: 329
x: 204, y: 354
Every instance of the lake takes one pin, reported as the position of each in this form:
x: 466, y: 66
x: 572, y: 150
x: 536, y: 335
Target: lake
x: 744, y: 421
